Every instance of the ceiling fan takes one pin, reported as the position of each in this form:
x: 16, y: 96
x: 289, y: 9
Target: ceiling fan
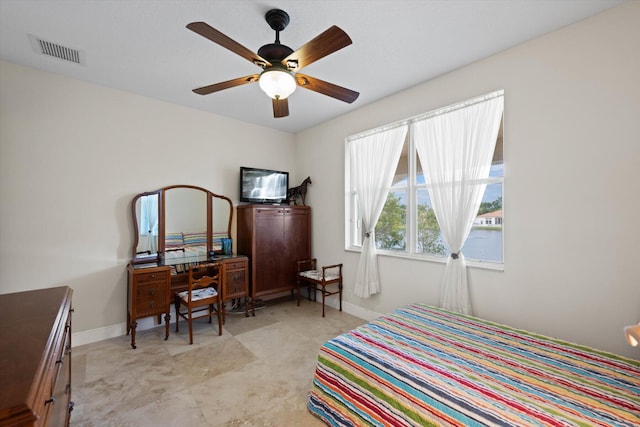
x: 280, y: 64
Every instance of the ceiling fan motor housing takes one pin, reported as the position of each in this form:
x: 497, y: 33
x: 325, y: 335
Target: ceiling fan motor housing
x: 274, y: 52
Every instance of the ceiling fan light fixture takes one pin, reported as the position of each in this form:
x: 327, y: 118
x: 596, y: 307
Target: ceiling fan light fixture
x: 277, y: 83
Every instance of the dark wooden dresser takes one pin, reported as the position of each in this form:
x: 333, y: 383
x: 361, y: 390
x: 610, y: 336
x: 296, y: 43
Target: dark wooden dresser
x: 35, y: 357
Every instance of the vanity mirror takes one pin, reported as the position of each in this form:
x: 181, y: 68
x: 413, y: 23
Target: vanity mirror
x: 176, y: 228
x: 179, y: 222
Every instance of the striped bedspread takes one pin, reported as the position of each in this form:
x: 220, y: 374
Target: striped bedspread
x: 422, y: 365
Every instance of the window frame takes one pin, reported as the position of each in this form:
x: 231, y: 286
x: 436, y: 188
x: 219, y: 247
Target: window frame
x: 353, y: 224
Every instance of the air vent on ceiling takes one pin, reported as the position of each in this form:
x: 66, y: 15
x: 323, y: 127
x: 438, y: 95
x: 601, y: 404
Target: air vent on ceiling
x: 56, y: 50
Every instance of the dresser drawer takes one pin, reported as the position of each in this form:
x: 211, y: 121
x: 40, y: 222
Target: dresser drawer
x: 59, y: 406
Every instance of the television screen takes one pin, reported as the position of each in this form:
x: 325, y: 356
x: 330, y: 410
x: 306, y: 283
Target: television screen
x: 263, y: 185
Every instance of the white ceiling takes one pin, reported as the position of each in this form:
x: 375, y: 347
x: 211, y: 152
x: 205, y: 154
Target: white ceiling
x: 143, y: 47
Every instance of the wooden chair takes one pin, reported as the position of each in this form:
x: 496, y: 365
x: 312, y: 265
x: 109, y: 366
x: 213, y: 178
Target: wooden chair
x: 200, y: 296
x: 318, y: 280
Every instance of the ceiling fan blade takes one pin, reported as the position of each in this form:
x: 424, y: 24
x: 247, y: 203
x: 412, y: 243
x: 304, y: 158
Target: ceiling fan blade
x: 280, y: 107
x: 326, y: 43
x: 326, y: 88
x: 207, y: 31
x: 205, y: 90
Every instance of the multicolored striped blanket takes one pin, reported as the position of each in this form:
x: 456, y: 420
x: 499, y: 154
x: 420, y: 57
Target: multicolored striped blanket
x: 426, y: 366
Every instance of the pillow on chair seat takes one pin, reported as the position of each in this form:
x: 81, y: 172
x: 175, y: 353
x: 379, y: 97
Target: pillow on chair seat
x: 317, y: 275
x: 198, y: 294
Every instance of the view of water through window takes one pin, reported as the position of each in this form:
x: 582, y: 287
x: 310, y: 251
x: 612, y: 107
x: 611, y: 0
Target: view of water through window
x: 485, y: 239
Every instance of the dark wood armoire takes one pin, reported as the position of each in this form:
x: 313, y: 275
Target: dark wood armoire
x: 274, y: 238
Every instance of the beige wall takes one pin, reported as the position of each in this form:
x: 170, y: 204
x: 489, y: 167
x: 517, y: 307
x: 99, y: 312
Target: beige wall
x: 572, y: 189
x: 73, y: 155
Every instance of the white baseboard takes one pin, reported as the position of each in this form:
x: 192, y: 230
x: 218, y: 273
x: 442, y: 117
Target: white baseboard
x: 107, y: 332
x: 347, y: 307
x: 356, y: 310
x: 98, y: 334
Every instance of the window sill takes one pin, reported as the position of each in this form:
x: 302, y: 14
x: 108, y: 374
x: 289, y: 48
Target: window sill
x: 484, y: 265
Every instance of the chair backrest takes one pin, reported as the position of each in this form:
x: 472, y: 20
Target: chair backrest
x: 307, y: 264
x: 203, y: 276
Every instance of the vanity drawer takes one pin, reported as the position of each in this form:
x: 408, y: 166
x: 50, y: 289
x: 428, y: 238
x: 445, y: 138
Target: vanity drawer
x: 236, y: 283
x: 151, y: 298
x: 236, y: 279
x: 236, y: 265
x: 151, y: 276
x: 149, y: 291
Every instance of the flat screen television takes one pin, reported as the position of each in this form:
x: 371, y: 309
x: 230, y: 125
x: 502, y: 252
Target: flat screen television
x: 263, y: 185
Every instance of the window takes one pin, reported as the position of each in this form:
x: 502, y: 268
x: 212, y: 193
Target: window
x: 408, y: 226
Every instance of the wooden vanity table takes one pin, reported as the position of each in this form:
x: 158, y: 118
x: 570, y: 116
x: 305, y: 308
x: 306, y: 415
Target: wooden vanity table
x: 152, y: 289
x: 175, y: 227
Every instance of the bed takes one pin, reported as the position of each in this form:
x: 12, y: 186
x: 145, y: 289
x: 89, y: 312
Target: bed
x: 422, y: 365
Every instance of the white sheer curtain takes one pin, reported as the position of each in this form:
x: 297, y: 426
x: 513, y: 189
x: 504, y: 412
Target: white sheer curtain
x: 149, y: 222
x: 374, y: 159
x: 455, y: 149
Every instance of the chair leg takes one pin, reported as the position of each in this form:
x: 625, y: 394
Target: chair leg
x: 340, y: 292
x: 298, y: 290
x: 167, y: 320
x: 190, y: 322
x: 323, y: 295
x: 223, y: 308
x: 220, y: 315
x: 177, y: 305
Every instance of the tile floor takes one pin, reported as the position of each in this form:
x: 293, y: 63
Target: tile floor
x: 258, y: 373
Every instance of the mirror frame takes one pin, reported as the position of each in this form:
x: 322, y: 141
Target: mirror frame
x: 136, y: 258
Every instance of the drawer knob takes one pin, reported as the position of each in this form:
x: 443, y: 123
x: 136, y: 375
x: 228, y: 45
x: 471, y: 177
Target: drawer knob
x: 152, y: 291
x: 151, y: 304
x: 51, y: 400
x: 153, y: 276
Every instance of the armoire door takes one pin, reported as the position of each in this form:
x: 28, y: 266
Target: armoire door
x: 269, y: 247
x: 296, y: 243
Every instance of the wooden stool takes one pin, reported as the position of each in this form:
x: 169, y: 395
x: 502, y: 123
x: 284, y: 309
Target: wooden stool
x: 318, y: 280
